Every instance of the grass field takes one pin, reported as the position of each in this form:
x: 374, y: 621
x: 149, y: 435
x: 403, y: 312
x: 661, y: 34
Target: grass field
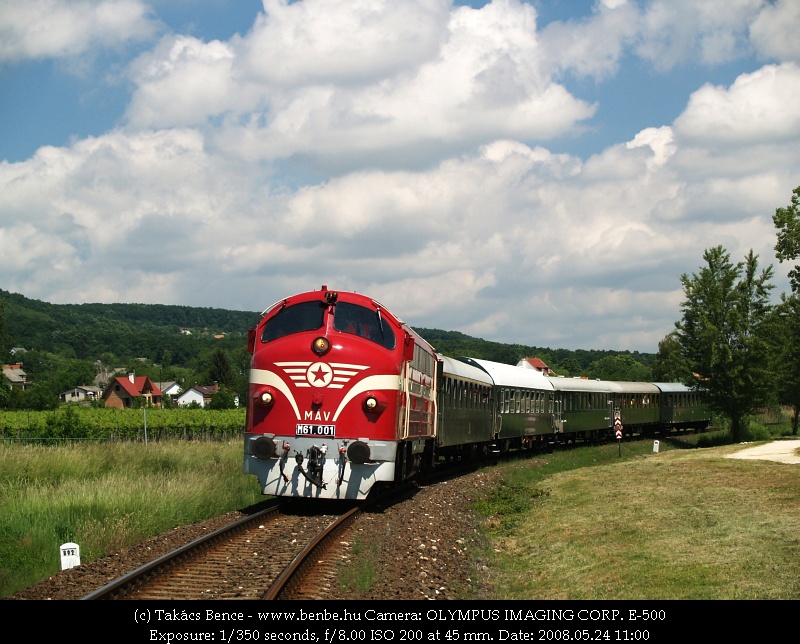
x: 612, y: 522
x: 106, y: 496
x: 677, y: 524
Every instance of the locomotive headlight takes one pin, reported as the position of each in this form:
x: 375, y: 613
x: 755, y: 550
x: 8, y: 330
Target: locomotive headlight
x: 374, y: 402
x: 321, y: 345
x: 265, y: 397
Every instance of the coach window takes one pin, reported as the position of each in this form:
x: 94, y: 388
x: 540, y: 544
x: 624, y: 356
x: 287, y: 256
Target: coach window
x: 305, y: 316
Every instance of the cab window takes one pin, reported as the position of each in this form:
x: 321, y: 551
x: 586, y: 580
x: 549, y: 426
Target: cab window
x: 305, y: 316
x: 364, y: 322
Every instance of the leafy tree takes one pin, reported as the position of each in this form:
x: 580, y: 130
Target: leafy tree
x: 785, y: 342
x: 5, y: 340
x: 5, y: 395
x: 669, y: 365
x: 723, y: 335
x: 41, y: 395
x: 787, y: 221
x: 71, y: 373
x: 787, y: 339
x: 223, y: 399
x: 221, y: 371
x: 619, y: 367
x: 568, y: 367
x: 5, y: 357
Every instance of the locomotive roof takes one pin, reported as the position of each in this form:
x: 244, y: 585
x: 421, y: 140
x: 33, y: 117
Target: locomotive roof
x: 349, y: 296
x: 507, y: 375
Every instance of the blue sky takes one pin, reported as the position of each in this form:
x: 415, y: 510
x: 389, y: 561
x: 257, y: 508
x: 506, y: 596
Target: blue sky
x: 534, y: 172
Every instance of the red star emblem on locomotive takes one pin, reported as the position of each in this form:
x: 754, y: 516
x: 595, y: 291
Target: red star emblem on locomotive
x: 319, y: 374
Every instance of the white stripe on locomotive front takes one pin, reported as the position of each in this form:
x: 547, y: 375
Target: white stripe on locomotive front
x: 391, y: 382
x: 264, y: 377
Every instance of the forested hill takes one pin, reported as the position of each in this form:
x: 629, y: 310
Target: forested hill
x: 563, y: 361
x: 90, y: 330
x: 134, y: 331
x: 188, y: 317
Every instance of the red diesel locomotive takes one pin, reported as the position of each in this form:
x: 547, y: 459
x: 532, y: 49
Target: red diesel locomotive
x: 342, y: 397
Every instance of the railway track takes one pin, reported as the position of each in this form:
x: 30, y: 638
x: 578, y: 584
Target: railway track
x: 282, y: 552
x: 264, y: 556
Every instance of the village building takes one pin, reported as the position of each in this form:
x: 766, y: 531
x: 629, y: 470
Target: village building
x: 82, y: 394
x: 14, y: 377
x: 122, y: 391
x: 536, y: 363
x: 200, y: 394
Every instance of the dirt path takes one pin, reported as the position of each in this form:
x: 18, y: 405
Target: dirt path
x: 783, y: 451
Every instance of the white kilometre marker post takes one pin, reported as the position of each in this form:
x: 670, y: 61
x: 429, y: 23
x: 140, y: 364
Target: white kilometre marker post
x: 70, y: 555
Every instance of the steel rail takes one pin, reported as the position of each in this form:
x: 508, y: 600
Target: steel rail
x: 129, y: 579
x: 292, y: 574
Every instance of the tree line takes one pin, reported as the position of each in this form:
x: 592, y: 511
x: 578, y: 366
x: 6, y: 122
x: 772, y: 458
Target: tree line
x: 65, y: 346
x: 730, y: 341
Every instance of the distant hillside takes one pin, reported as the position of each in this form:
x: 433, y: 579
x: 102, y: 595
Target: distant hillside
x: 88, y: 331
x: 126, y: 330
x: 453, y: 343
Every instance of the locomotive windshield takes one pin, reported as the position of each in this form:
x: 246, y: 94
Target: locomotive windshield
x: 306, y: 316
x: 359, y: 320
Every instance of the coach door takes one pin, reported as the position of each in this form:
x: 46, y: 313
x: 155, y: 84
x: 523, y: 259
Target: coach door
x: 556, y: 410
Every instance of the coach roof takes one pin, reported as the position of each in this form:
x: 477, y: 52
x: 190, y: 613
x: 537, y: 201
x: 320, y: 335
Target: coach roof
x: 506, y: 375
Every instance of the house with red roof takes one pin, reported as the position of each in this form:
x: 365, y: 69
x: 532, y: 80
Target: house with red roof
x: 123, y: 390
x: 14, y: 377
x: 536, y: 363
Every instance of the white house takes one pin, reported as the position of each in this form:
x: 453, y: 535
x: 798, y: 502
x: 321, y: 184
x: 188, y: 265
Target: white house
x: 199, y: 393
x: 170, y: 388
x: 81, y: 394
